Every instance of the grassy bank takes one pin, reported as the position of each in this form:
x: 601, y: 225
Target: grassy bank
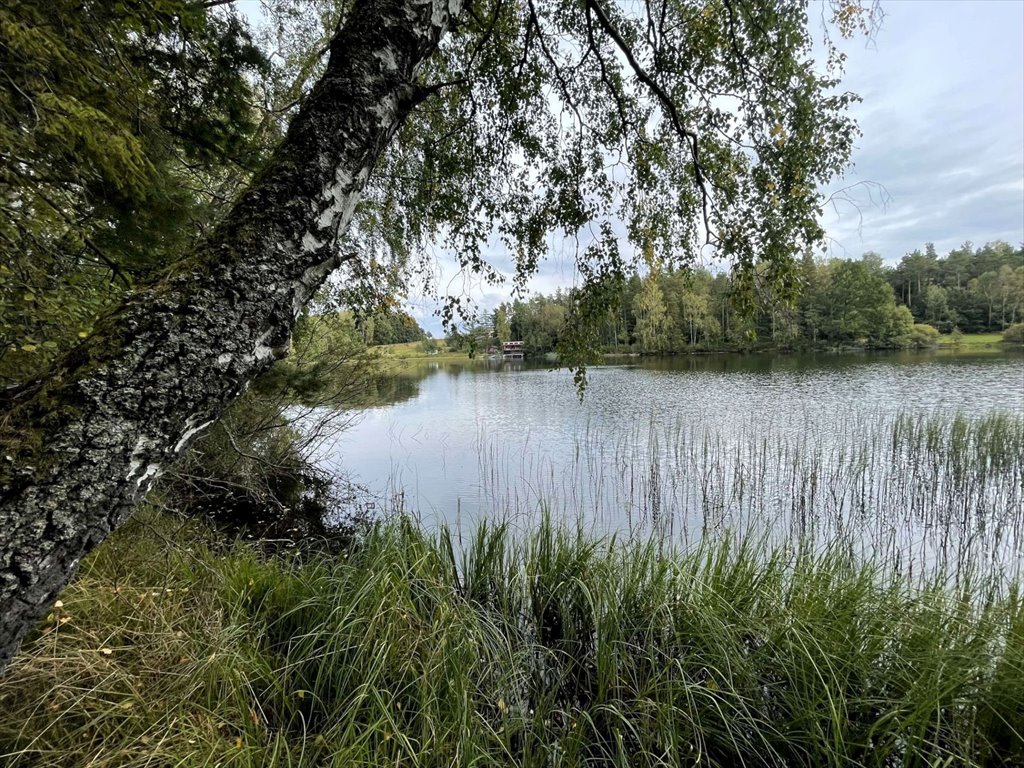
x: 418, y: 350
x: 963, y: 342
x: 969, y: 340
x: 553, y: 650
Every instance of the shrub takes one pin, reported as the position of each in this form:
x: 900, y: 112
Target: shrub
x: 901, y: 326
x: 1014, y: 334
x: 253, y: 472
x: 923, y: 335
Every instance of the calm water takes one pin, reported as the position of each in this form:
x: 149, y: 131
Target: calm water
x: 686, y: 442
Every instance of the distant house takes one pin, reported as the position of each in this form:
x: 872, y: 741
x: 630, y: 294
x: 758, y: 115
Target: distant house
x: 512, y: 350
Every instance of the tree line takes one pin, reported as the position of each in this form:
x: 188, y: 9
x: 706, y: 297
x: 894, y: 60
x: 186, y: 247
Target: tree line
x: 851, y: 302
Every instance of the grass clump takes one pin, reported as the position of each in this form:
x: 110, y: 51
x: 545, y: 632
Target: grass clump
x: 553, y: 649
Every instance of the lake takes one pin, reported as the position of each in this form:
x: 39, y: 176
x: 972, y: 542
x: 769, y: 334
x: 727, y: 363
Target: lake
x: 901, y: 447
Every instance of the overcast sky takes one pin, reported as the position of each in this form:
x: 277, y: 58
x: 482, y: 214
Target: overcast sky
x: 942, y: 118
x: 943, y: 123
x: 941, y: 158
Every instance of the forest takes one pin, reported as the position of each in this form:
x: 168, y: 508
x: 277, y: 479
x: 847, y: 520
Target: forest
x: 836, y: 303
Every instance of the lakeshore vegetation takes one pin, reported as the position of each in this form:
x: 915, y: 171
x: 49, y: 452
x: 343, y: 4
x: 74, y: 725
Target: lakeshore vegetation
x: 238, y: 619
x: 553, y: 649
x: 862, y: 302
x: 211, y: 638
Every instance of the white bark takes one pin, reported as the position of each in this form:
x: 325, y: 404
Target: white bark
x: 86, y: 444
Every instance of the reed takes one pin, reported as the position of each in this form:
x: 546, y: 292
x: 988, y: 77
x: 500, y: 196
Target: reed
x: 926, y: 492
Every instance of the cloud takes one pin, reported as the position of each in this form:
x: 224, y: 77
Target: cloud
x: 941, y: 158
x: 943, y: 131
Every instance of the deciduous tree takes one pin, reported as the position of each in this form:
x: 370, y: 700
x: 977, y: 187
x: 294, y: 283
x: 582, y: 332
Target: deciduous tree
x: 687, y: 124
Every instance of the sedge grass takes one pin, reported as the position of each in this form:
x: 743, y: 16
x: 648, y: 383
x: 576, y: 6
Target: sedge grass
x: 550, y: 649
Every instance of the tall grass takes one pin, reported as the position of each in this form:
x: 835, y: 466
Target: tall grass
x: 550, y: 649
x: 936, y: 491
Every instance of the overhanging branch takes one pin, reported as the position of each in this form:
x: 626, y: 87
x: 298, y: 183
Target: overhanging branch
x: 667, y: 103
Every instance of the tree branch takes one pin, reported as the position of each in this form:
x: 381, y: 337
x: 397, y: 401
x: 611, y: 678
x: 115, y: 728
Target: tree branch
x: 666, y: 101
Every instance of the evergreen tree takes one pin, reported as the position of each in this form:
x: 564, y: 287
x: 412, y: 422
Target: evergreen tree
x: 123, y: 127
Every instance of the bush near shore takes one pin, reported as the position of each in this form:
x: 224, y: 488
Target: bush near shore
x: 549, y: 649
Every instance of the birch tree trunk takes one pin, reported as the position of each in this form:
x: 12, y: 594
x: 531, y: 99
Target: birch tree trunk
x: 79, y: 450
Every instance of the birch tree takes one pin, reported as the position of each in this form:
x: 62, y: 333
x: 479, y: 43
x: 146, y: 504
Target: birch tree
x: 666, y: 125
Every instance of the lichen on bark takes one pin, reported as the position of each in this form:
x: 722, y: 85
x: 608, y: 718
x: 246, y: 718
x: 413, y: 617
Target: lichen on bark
x: 86, y: 443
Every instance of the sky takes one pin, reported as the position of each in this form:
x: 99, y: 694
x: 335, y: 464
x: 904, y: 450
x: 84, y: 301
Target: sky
x: 940, y: 159
x: 942, y: 119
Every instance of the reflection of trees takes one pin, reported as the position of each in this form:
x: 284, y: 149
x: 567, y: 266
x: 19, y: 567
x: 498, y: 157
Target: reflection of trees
x: 393, y: 388
x: 399, y: 383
